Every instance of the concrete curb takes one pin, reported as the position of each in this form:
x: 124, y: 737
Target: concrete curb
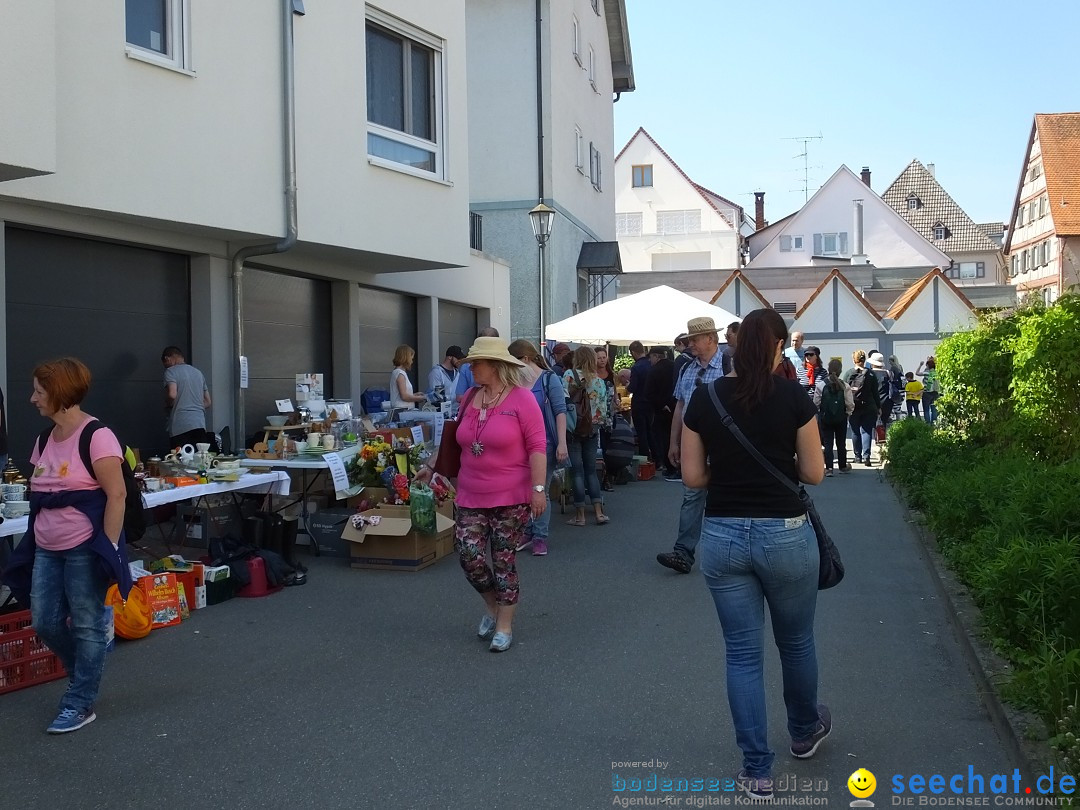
x: 1015, y: 727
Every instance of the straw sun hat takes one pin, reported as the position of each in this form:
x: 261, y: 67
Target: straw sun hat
x: 700, y: 326
x: 492, y: 348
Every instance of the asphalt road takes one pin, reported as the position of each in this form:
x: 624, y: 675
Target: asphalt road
x: 369, y: 689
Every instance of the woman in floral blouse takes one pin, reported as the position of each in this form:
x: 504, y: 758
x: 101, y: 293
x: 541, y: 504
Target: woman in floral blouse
x: 582, y: 374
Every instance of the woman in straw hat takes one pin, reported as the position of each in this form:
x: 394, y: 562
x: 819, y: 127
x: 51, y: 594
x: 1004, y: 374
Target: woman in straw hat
x: 756, y: 542
x: 502, y: 483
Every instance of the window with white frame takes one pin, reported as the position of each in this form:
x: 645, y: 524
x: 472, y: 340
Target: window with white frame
x: 1033, y: 211
x: 791, y: 244
x: 158, y: 31
x: 831, y: 244
x: 672, y: 222
x: 1024, y: 259
x: 594, y: 167
x: 940, y: 231
x: 1044, y: 206
x: 967, y: 270
x: 1014, y: 265
x: 641, y: 176
x: 592, y: 67
x: 1036, y: 171
x: 404, y: 96
x: 596, y: 6
x: 579, y: 150
x: 913, y: 202
x: 575, y: 34
x: 628, y: 224
x: 1021, y: 216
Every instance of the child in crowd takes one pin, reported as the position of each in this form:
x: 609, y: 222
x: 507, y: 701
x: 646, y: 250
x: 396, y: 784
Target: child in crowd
x: 913, y: 393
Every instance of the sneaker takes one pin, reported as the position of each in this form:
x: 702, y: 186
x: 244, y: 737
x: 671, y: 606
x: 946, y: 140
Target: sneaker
x: 804, y: 749
x: 539, y: 548
x: 868, y: 462
x: 71, y: 720
x: 828, y: 472
x: 674, y: 477
x: 524, y: 545
x: 487, y: 626
x: 675, y: 562
x: 756, y: 787
x: 845, y: 469
x: 500, y: 642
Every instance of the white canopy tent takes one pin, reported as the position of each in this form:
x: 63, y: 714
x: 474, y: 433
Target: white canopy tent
x: 654, y: 316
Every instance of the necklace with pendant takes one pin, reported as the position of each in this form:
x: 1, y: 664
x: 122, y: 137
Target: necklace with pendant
x: 477, y: 447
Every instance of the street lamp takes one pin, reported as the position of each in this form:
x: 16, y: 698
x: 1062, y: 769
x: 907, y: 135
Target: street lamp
x: 542, y: 217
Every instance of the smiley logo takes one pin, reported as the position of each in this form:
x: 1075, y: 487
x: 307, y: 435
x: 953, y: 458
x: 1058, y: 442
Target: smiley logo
x: 862, y: 784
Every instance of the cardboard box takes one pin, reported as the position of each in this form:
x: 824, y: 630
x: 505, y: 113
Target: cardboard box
x: 394, y: 545
x: 403, y: 433
x: 377, y: 496
x: 203, y: 523
x: 164, y: 598
x: 215, y: 573
x: 326, y: 526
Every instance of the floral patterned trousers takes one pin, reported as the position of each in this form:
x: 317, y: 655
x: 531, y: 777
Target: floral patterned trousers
x: 501, y: 527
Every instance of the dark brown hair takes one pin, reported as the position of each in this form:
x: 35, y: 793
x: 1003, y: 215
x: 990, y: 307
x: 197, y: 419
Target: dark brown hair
x: 756, y: 357
x: 65, y: 381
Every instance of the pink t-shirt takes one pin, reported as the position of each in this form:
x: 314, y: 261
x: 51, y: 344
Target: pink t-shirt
x: 59, y: 469
x: 500, y: 476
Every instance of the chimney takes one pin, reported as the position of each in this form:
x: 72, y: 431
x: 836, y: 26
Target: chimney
x: 857, y: 255
x: 930, y: 167
x: 866, y: 176
x: 759, y: 210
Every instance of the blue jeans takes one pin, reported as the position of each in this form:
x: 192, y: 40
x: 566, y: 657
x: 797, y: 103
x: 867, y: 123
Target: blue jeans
x: 743, y: 560
x: 70, y: 584
x: 862, y: 433
x: 690, y: 516
x: 583, y: 464
x: 930, y: 407
x: 538, y: 527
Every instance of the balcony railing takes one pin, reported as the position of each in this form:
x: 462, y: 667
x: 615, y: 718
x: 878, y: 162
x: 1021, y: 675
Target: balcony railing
x: 476, y: 231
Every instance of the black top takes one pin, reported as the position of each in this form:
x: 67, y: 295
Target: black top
x: 3, y: 427
x: 660, y: 386
x: 738, y: 485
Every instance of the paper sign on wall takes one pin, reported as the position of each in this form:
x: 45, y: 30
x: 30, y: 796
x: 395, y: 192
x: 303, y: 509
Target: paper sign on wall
x: 243, y: 372
x: 284, y: 405
x: 337, y: 471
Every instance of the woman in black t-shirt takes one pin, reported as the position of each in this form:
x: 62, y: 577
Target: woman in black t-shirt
x: 756, y: 541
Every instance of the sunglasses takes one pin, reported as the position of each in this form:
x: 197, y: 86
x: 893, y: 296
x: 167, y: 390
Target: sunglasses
x: 700, y: 376
x: 809, y: 354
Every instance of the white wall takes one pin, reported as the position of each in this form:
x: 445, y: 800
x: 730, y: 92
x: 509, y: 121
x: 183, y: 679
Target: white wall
x: 28, y: 120
x: 139, y: 140
x: 888, y: 240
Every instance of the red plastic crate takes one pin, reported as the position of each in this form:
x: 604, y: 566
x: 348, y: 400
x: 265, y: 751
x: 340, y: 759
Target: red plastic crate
x: 24, y: 658
x: 646, y: 470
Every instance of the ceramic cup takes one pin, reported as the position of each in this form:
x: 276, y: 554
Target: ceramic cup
x: 202, y: 447
x: 13, y: 492
x: 301, y: 446
x: 227, y: 464
x: 153, y: 484
x: 314, y: 439
x: 328, y: 441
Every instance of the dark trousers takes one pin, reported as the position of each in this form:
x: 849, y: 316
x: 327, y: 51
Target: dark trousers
x: 913, y: 408
x: 834, y: 436
x: 661, y: 437
x: 642, y: 416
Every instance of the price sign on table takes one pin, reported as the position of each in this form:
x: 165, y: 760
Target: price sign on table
x: 418, y: 434
x: 337, y: 471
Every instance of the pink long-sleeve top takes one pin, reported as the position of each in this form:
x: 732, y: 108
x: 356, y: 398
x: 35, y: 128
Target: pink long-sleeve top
x: 500, y: 475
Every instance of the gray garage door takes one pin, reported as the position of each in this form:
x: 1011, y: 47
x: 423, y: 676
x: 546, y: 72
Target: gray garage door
x: 457, y: 326
x: 287, y: 331
x: 387, y: 320
x: 114, y: 307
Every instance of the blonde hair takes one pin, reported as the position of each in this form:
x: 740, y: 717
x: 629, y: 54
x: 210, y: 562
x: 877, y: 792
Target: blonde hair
x: 526, y: 350
x: 584, y: 361
x: 508, y: 375
x: 858, y: 356
x: 403, y: 355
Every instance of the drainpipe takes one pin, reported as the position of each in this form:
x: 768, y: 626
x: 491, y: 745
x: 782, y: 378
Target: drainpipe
x: 288, y: 103
x: 540, y: 156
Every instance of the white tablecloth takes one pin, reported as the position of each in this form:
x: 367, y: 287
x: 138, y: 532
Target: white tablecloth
x: 276, y: 482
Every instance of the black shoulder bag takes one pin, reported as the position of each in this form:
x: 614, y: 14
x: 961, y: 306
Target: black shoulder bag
x: 831, y: 569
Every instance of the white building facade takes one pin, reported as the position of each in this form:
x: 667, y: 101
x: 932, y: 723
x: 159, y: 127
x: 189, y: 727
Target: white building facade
x: 556, y: 67
x: 139, y: 151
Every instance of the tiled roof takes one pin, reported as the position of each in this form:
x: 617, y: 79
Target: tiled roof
x: 1059, y: 139
x: 704, y: 192
x: 992, y: 229
x: 936, y: 207
x: 900, y: 305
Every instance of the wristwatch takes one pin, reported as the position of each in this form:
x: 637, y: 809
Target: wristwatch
x: 539, y: 488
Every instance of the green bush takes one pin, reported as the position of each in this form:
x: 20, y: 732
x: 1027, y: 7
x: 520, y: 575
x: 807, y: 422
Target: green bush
x: 999, y: 484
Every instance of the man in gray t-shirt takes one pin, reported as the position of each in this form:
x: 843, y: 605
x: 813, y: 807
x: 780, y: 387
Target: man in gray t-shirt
x: 186, y: 399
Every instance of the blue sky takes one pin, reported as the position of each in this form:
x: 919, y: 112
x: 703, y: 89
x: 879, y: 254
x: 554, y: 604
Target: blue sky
x: 720, y: 85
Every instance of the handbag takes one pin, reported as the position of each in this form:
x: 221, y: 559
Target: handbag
x: 448, y: 461
x: 831, y: 568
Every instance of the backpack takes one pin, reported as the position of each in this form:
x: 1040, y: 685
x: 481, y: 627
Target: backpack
x: 620, y: 446
x: 859, y: 390
x: 579, y: 409
x: 134, y: 519
x: 833, y: 407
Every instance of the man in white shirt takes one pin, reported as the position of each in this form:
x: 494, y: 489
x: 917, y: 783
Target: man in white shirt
x: 443, y: 377
x: 794, y: 353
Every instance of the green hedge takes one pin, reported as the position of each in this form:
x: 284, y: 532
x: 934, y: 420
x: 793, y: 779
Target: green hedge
x: 999, y: 483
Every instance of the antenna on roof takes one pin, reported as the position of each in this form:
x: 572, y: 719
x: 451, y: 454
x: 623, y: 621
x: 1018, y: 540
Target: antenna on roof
x: 805, y: 155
